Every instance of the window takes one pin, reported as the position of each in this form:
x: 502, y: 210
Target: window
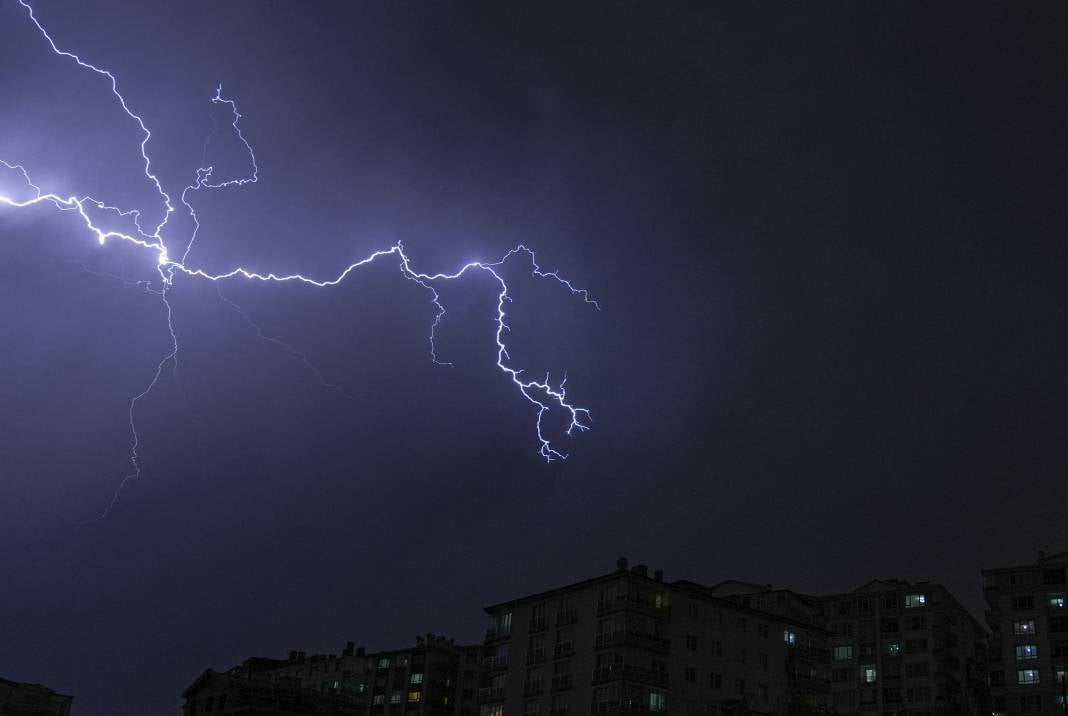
x: 1023, y: 603
x: 715, y: 680
x: 843, y: 653
x: 889, y: 601
x: 919, y: 668
x: 1053, y: 576
x: 888, y: 626
x: 892, y: 695
x: 559, y: 704
x: 378, y: 699
x: 1026, y: 651
x: 1057, y: 601
x: 691, y: 642
x: 383, y: 663
x: 762, y: 691
x: 763, y: 660
x: 997, y: 678
x: 867, y: 673
x: 915, y: 600
x: 1027, y: 676
x: 690, y: 674
x: 693, y: 610
x: 762, y: 629
x: 917, y: 623
x: 1023, y: 628
x: 530, y: 707
x: 740, y: 623
x: 864, y: 604
x: 893, y: 648
x: 840, y: 676
x: 415, y: 679
x: 789, y: 637
x: 414, y: 696
x: 739, y: 686
x: 1031, y: 701
x: 916, y: 646
x: 1060, y: 673
x: 717, y: 648
x: 491, y: 710
x: 395, y: 697
x: 657, y: 700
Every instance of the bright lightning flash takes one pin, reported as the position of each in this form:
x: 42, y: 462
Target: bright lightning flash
x: 544, y: 395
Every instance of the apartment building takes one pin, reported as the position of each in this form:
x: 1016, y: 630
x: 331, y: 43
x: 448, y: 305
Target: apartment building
x: 630, y: 644
x: 1028, y: 612
x: 435, y: 678
x: 19, y: 699
x: 899, y: 647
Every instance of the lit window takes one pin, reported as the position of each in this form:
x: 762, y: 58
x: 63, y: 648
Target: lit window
x: 379, y: 699
x: 789, y: 637
x: 915, y: 600
x: 1023, y: 627
x: 395, y: 697
x: 867, y: 674
x: 383, y: 663
x: 843, y: 653
x: 416, y: 679
x: 657, y: 701
x: 1057, y: 601
x: 1027, y: 676
x: 414, y: 696
x: 1026, y: 651
x: 893, y: 648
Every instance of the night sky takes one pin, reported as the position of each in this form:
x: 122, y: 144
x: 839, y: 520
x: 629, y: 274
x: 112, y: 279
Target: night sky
x: 827, y: 241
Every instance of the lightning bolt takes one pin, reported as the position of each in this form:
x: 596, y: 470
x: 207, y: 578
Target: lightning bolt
x: 544, y: 395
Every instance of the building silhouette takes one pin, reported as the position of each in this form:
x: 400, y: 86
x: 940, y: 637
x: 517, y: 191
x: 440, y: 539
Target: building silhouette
x: 1028, y: 612
x: 627, y: 644
x: 18, y: 699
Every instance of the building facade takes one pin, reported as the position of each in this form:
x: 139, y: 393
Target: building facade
x: 1028, y: 612
x: 19, y: 699
x: 905, y: 648
x: 627, y: 644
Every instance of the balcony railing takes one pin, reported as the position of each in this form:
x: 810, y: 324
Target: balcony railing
x: 558, y: 712
x: 566, y: 617
x: 491, y: 693
x: 809, y: 683
x: 633, y: 603
x: 561, y: 681
x: 628, y: 672
x: 498, y: 633
x: 564, y: 648
x: 811, y: 653
x: 494, y: 663
x: 535, y: 656
x: 649, y: 642
x: 533, y: 687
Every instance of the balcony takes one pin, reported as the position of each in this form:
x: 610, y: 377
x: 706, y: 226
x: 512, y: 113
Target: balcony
x: 564, y: 648
x: 809, y: 683
x: 622, y: 708
x: 557, y: 712
x: 491, y: 693
x: 633, y: 603
x: 496, y: 663
x: 495, y: 633
x: 533, y: 687
x: 810, y: 653
x: 561, y: 681
x: 649, y: 642
x: 535, y: 656
x: 567, y: 617
x: 536, y: 625
x: 628, y: 672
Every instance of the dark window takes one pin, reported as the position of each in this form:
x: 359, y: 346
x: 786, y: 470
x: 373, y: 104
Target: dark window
x: 691, y: 674
x: 1053, y: 576
x: 1023, y: 602
x: 715, y: 680
x: 691, y: 642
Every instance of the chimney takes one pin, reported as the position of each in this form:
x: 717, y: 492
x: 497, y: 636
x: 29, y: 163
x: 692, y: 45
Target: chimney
x: 349, y: 646
x: 360, y: 651
x: 658, y: 575
x: 621, y: 564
